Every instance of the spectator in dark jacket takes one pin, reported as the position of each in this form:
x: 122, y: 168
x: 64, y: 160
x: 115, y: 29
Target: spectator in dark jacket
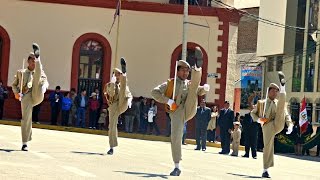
x: 144, y: 115
x: 225, y: 122
x: 100, y: 100
x: 203, y: 116
x: 81, y: 102
x: 55, y: 99
x: 250, y: 129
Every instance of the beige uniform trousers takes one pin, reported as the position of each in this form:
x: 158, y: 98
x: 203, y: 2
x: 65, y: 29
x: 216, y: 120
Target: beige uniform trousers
x: 119, y: 106
x: 30, y: 99
x: 271, y: 129
x: 184, y: 113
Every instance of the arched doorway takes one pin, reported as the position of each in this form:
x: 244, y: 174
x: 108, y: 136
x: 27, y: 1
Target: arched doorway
x: 4, y: 55
x: 90, y: 62
x: 90, y: 66
x: 177, y: 53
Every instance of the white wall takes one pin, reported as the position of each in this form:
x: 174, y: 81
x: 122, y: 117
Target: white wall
x: 147, y: 40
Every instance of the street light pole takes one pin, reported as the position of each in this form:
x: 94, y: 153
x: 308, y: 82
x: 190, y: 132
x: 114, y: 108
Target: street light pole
x: 184, y: 31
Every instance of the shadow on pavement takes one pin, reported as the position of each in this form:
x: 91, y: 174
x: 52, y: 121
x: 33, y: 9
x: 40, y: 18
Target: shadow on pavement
x: 9, y: 150
x: 88, y: 153
x: 145, y: 175
x: 244, y: 176
x: 307, y: 158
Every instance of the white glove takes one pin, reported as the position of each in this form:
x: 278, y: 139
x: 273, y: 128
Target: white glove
x: 129, y: 102
x: 44, y: 87
x: 20, y: 96
x: 260, y: 121
x: 170, y: 102
x: 113, y: 79
x: 289, y: 130
x: 206, y: 87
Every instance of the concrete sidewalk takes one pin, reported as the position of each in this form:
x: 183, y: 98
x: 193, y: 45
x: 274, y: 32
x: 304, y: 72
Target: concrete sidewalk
x: 105, y: 133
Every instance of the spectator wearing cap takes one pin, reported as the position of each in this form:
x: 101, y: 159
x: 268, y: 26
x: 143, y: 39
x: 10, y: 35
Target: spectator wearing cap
x: 236, y: 136
x: 225, y: 121
x: 93, y: 110
x: 55, y: 99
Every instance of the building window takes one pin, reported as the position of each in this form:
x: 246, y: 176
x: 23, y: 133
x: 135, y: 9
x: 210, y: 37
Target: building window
x: 270, y: 64
x: 318, y: 112
x: 296, y: 77
x: 294, y: 111
x: 309, y: 108
x: 313, y: 14
x: 309, y: 74
x: 318, y: 80
x: 279, y: 63
x: 90, y: 66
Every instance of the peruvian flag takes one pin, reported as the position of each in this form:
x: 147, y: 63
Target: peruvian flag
x: 303, y: 119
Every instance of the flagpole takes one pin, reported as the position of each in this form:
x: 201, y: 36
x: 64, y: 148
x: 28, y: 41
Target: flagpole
x: 117, y: 38
x: 184, y: 43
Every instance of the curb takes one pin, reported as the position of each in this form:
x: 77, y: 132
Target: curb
x: 105, y: 133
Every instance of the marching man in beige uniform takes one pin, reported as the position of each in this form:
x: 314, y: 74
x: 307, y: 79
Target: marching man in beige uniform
x: 118, y: 98
x: 184, y: 106
x: 272, y: 114
x: 29, y: 86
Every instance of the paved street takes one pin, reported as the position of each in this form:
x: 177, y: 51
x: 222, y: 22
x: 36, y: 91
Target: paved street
x: 66, y: 155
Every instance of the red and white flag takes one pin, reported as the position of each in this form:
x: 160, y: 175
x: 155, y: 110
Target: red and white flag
x: 117, y: 13
x: 303, y: 119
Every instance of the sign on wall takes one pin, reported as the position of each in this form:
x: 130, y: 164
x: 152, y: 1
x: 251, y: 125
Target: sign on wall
x: 251, y: 85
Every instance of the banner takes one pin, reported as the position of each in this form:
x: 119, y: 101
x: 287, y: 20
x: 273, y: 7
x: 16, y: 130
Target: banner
x: 251, y: 85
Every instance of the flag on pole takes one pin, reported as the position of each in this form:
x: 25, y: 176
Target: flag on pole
x: 117, y: 13
x: 303, y: 119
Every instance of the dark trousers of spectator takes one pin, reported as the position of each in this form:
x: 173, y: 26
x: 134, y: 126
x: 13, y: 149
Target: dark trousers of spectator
x: 225, y: 141
x: 65, y: 118
x: 260, y: 140
x: 168, y: 126
x: 305, y: 151
x: 72, y: 116
x: 137, y: 119
x: 154, y: 125
x: 211, y: 135
x: 201, y: 138
x: 250, y: 141
x: 184, y: 137
x: 129, y: 123
x: 55, y: 110
x: 1, y: 108
x: 35, y: 113
x: 318, y: 149
x: 81, y: 117
x: 93, y: 119
x: 143, y: 124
